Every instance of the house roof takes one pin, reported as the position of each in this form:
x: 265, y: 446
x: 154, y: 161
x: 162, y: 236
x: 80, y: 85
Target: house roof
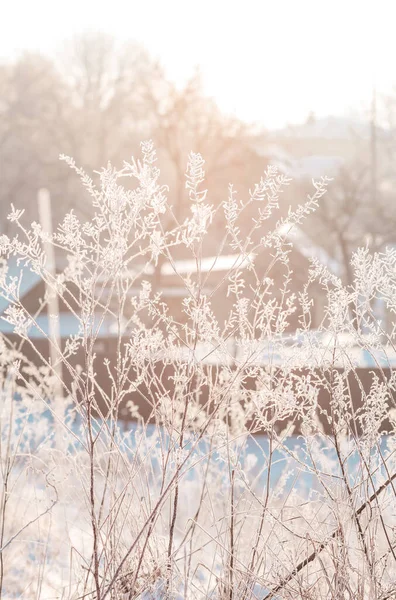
x: 26, y: 278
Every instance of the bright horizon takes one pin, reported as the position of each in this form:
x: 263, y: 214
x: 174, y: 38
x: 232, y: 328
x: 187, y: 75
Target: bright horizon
x: 267, y: 62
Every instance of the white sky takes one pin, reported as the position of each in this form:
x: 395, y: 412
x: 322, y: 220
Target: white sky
x: 267, y: 61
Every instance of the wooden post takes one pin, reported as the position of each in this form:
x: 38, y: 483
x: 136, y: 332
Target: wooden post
x: 44, y: 207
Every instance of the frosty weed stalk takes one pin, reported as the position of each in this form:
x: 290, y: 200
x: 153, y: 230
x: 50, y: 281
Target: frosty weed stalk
x: 208, y: 492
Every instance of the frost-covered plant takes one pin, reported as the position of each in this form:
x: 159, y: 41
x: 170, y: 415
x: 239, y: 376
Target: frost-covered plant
x: 212, y: 494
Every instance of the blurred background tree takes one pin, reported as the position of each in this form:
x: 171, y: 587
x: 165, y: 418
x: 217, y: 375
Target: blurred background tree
x: 97, y: 99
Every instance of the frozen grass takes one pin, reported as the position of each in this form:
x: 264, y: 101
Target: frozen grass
x: 216, y: 497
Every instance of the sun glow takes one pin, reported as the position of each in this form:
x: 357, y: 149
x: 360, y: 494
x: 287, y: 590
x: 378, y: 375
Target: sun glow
x: 271, y: 62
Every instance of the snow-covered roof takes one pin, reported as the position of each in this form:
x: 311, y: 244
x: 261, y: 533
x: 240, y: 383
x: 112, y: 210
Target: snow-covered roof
x: 330, y: 127
x: 24, y: 275
x: 224, y: 262
x: 315, y: 166
x: 311, y: 166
